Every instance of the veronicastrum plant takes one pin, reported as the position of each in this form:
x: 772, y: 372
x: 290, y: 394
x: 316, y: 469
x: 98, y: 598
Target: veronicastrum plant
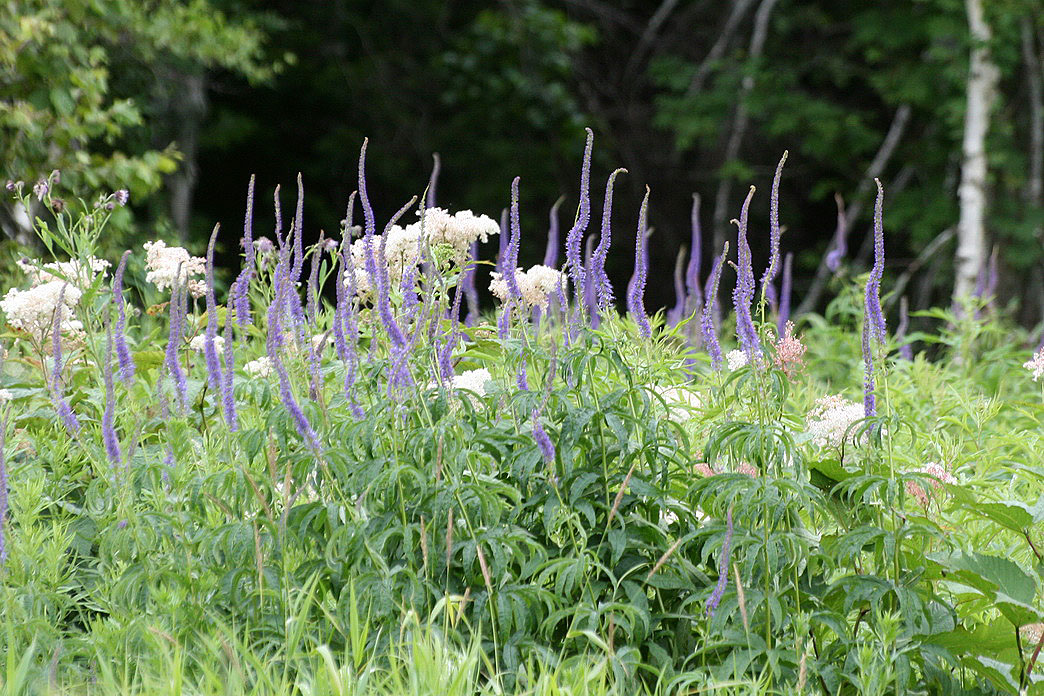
x: 327, y: 475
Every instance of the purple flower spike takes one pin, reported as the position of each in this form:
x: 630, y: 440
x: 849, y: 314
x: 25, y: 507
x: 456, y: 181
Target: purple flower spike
x: 433, y: 181
x: 246, y: 274
x: 278, y: 218
x: 209, y: 349
x: 839, y: 245
x: 312, y: 302
x: 112, y: 445
x: 467, y: 283
x: 784, y: 293
x: 547, y: 448
x: 228, y: 396
x: 383, y: 283
x: 590, y: 292
x: 675, y: 313
x: 551, y: 252
x: 692, y: 271
x: 576, y: 232
x: 869, y: 398
x: 176, y: 310
x: 710, y: 335
x: 743, y: 295
x: 636, y: 293
x: 878, y: 330
x: 65, y: 412
x: 605, y: 288
x: 346, y: 330
x: 769, y: 278
x: 122, y: 352
x: 511, y: 262
x: 295, y: 274
x: 723, y: 567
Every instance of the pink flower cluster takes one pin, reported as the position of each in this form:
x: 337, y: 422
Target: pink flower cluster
x: 938, y: 476
x: 790, y: 351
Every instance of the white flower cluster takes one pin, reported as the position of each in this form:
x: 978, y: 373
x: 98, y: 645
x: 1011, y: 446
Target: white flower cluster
x: 163, y: 262
x: 472, y: 380
x: 262, y: 367
x: 1036, y: 364
x: 33, y: 310
x: 198, y: 343
x: 403, y: 245
x: 458, y: 230
x: 535, y: 285
x: 830, y: 419
x: 5, y: 396
x: 736, y: 359
x: 681, y: 401
x: 74, y: 272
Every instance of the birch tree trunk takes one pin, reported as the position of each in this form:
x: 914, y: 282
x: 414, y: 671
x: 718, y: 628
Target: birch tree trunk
x: 982, y: 84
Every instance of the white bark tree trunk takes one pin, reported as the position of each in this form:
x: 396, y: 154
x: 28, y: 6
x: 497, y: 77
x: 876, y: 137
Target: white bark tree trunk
x: 982, y: 84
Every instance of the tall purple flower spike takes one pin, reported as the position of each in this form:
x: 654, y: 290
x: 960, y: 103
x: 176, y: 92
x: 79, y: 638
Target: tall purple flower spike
x: 112, y: 445
x: 784, y: 293
x: 674, y: 315
x: 590, y: 292
x: 312, y: 302
x: 636, y: 293
x: 246, y: 273
x: 604, y: 287
x: 467, y: 283
x: 61, y: 405
x: 692, y: 271
x: 743, y: 295
x: 723, y: 567
x: 547, y: 448
x: 768, y: 279
x: 228, y: 396
x: 873, y: 320
x: 905, y: 350
x: 176, y: 312
x: 839, y: 245
x: 707, y: 330
x: 511, y: 262
x: 122, y: 351
x: 295, y: 275
x: 209, y: 349
x: 433, y: 180
x: 878, y: 330
x: 346, y: 330
x: 583, y: 217
x: 304, y: 428
x: 553, y: 241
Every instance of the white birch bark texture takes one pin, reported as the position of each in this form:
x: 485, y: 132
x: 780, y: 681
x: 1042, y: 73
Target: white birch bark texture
x: 971, y: 227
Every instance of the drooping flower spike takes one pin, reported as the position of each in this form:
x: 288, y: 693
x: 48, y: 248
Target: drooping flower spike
x: 246, y: 273
x: 839, y: 244
x: 723, y: 567
x: 553, y: 241
x: 636, y: 293
x: 583, y: 217
x: 692, y: 271
x: 209, y: 350
x: 707, y: 330
x: 768, y: 279
x: 604, y: 287
x: 743, y: 295
x: 433, y: 180
x: 122, y: 351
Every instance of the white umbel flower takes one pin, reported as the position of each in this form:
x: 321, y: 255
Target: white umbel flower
x: 1036, y: 364
x: 262, y: 367
x: 831, y: 418
x: 736, y: 359
x: 33, y: 310
x: 459, y: 230
x: 198, y: 343
x: 536, y: 285
x: 163, y: 262
x: 75, y: 272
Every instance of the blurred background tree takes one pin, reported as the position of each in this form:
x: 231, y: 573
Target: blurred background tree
x: 688, y: 95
